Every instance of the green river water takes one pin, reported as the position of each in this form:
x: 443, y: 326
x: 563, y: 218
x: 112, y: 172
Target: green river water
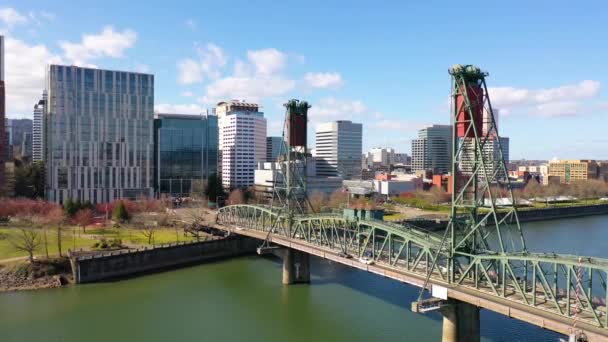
x: 243, y: 300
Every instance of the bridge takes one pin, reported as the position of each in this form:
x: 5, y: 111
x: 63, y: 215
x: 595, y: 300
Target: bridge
x: 479, y: 261
x: 548, y: 290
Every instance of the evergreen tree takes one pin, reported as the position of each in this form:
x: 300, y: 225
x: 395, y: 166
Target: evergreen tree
x: 120, y: 213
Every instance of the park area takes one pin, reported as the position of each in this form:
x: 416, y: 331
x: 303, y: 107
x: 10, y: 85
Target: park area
x: 34, y: 229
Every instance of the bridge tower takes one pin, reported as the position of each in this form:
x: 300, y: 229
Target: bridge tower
x: 480, y: 186
x: 289, y: 196
x: 480, y: 180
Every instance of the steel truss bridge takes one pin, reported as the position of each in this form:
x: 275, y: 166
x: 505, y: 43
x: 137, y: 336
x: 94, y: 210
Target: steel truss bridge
x: 549, y: 290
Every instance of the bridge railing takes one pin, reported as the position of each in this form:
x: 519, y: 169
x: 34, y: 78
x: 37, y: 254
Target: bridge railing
x: 565, y: 285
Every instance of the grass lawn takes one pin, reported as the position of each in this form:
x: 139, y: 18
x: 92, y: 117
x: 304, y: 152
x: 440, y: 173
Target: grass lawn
x: 394, y: 216
x: 9, y: 235
x: 85, y: 240
x: 132, y: 236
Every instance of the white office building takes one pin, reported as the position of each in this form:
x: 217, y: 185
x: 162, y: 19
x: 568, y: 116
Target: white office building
x: 339, y: 149
x: 38, y: 129
x: 242, y: 132
x: 98, y: 136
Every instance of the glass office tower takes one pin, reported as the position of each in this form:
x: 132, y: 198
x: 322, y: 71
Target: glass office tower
x: 98, y: 134
x: 186, y: 151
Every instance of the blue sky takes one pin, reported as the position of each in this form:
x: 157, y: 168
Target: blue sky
x: 380, y: 63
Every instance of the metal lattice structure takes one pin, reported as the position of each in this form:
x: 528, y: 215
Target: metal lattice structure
x: 542, y: 281
x: 482, y: 250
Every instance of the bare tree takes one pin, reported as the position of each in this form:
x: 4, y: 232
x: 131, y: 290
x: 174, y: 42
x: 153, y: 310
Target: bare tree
x: 338, y: 198
x: 148, y: 232
x: 317, y: 201
x: 55, y: 217
x: 28, y: 241
x: 236, y: 197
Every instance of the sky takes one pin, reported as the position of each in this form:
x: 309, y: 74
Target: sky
x: 381, y: 63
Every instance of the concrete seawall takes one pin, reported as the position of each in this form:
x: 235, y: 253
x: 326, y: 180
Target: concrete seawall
x: 108, y: 265
x: 526, y: 215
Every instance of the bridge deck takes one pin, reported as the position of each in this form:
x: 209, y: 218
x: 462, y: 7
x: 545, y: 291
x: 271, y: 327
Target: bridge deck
x: 483, y: 297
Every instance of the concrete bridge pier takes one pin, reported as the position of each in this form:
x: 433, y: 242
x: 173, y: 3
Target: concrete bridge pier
x: 460, y: 322
x: 296, y: 267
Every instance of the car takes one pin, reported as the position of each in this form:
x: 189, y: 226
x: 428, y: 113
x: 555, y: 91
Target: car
x: 345, y: 255
x: 367, y: 259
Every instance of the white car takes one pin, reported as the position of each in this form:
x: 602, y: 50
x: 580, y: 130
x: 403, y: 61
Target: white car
x: 366, y: 260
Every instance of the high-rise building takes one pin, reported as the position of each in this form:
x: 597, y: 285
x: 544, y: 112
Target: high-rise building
x: 38, y: 129
x: 3, y: 139
x: 491, y: 156
x: 573, y: 170
x: 242, y: 134
x: 273, y: 148
x: 433, y: 149
x: 339, y: 149
x: 185, y: 153
x: 19, y: 138
x: 487, y: 123
x: 98, y: 138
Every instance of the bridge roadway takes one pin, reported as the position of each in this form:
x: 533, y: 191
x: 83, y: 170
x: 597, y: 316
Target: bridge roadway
x: 482, y: 297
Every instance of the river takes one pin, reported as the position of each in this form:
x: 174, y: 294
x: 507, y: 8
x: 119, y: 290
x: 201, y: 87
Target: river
x: 243, y: 300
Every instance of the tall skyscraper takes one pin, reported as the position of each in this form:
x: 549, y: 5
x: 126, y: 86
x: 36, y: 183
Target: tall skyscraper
x: 273, y: 148
x: 185, y: 153
x: 98, y: 134
x: 242, y: 130
x: 491, y: 156
x: 3, y: 143
x: 339, y: 149
x: 433, y: 149
x: 38, y: 129
x: 19, y: 138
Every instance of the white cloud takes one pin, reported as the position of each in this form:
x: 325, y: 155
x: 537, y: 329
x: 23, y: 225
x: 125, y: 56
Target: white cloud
x: 107, y: 43
x: 247, y: 88
x: 323, y: 79
x: 187, y: 94
x: 253, y: 80
x: 25, y: 70
x: 179, y: 108
x: 267, y: 61
x: 330, y: 109
x: 561, y: 108
x: 211, y: 59
x: 558, y: 101
x: 10, y: 17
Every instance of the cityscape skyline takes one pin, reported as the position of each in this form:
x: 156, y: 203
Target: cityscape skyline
x: 211, y: 61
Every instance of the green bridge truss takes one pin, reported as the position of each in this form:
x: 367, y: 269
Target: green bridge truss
x: 565, y: 285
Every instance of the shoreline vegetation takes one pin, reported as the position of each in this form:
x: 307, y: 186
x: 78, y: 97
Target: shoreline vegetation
x: 35, y: 236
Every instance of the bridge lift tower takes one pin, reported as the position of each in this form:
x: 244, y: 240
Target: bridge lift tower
x: 480, y: 185
x: 289, y: 196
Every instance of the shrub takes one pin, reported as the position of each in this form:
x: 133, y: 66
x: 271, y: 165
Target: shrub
x: 120, y: 213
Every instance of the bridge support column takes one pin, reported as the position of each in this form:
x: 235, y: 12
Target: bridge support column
x: 460, y: 322
x: 296, y: 267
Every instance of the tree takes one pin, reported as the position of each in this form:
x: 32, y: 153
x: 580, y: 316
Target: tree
x: 236, y: 197
x: 148, y: 232
x: 83, y: 218
x: 318, y: 200
x: 120, y: 213
x: 214, y: 188
x: 338, y: 198
x: 28, y: 242
x: 436, y: 195
x: 29, y: 179
x: 56, y: 217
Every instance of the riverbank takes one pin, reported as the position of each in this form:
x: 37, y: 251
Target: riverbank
x: 524, y: 215
x: 24, y: 276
